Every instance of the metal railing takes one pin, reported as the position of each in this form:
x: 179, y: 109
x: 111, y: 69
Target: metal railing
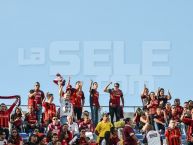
x: 128, y: 109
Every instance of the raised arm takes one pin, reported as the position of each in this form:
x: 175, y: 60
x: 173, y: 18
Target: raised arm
x: 157, y: 92
x: 91, y: 83
x: 14, y: 104
x: 68, y: 81
x: 60, y: 90
x: 143, y: 92
x: 183, y: 114
x: 106, y: 88
x: 81, y: 84
x: 169, y: 95
x: 44, y: 100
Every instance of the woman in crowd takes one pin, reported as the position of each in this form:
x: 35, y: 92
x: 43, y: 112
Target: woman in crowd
x: 16, y: 119
x: 15, y: 139
x: 145, y: 97
x: 163, y: 99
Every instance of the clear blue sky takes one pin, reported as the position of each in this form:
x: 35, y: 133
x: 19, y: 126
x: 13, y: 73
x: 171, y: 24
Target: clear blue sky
x: 25, y: 25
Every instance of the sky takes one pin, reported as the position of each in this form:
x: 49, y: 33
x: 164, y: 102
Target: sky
x: 126, y: 41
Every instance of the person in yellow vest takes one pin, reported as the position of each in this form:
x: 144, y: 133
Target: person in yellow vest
x: 102, y: 127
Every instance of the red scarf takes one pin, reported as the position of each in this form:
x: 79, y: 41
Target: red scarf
x: 12, y: 97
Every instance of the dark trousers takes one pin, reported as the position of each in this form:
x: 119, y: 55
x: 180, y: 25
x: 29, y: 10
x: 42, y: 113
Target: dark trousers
x: 114, y: 111
x: 151, y: 119
x: 78, y: 112
x: 161, y: 127
x: 189, y: 143
x: 95, y: 114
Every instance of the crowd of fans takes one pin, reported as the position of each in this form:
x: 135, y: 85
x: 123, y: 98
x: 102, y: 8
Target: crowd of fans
x: 68, y: 125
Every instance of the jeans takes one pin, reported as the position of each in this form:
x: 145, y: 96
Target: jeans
x: 39, y: 114
x: 114, y: 111
x: 95, y: 114
x: 78, y: 112
x: 63, y: 119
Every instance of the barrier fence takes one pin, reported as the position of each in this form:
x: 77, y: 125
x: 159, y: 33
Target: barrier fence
x: 128, y: 109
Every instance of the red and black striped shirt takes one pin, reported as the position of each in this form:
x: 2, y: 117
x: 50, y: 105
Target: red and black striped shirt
x: 5, y: 116
x: 173, y: 136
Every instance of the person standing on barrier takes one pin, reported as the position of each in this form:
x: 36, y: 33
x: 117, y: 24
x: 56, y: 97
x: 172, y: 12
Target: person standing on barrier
x: 36, y: 96
x: 66, y: 108
x: 114, y: 103
x: 145, y: 97
x: 94, y: 102
x: 163, y: 99
x: 77, y: 98
x: 152, y: 106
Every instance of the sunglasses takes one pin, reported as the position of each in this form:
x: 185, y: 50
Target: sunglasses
x: 55, y: 118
